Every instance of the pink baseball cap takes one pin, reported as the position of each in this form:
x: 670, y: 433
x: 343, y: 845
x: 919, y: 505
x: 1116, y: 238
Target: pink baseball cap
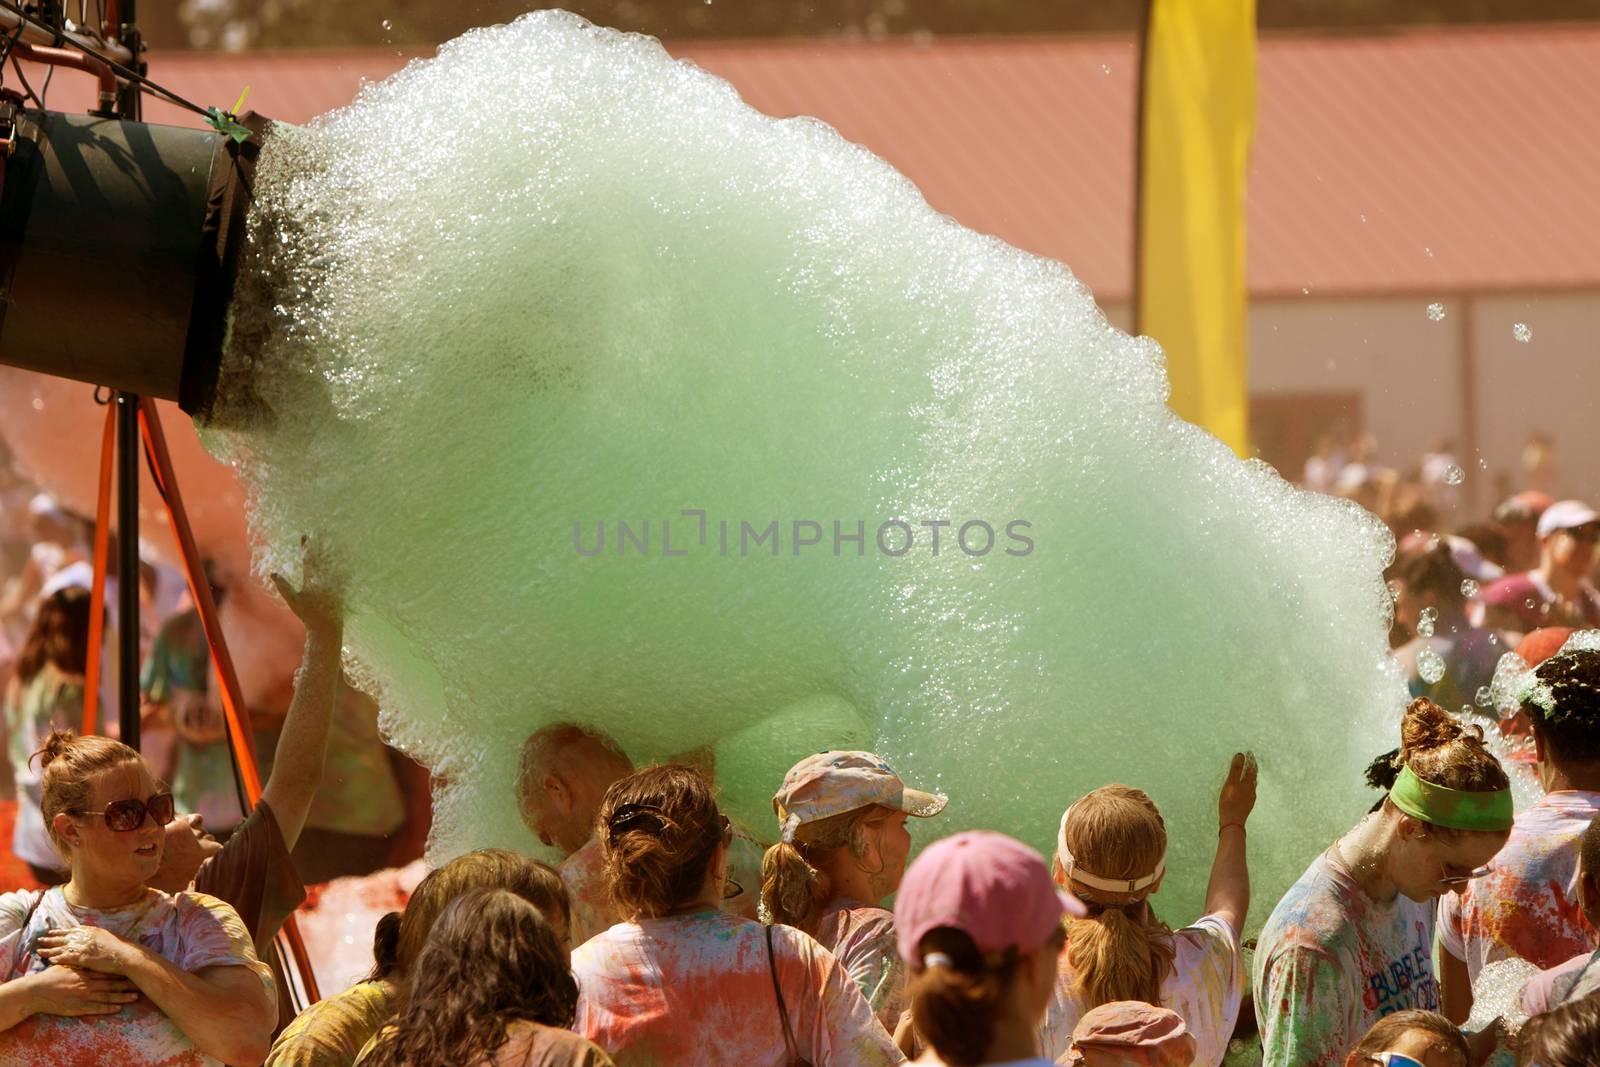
x: 1127, y: 1033
x: 993, y: 887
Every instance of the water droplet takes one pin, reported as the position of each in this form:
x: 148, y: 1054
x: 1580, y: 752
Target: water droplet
x: 1306, y: 289
x: 38, y: 403
x: 1105, y: 68
x: 1469, y: 588
x: 1454, y: 475
x: 1483, y: 464
x: 388, y: 25
x: 1522, y: 333
x: 1430, y: 666
x: 1426, y: 620
x: 1485, y: 696
x: 1436, y: 311
x: 1528, y: 603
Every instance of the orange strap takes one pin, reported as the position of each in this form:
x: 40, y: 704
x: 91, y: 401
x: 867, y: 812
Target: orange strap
x: 233, y: 705
x: 97, y: 593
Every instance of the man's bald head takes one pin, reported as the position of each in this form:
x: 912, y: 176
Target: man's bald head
x: 565, y: 772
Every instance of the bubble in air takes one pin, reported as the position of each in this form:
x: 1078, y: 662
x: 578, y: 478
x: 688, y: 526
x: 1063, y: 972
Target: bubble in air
x: 387, y: 24
x: 1436, y: 312
x: 1484, y: 698
x: 1426, y: 620
x: 1454, y: 475
x: 1430, y: 666
x: 1469, y: 588
x: 1522, y: 332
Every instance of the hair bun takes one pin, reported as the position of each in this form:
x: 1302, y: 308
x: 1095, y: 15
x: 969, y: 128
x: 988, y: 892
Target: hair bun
x: 1427, y: 726
x: 58, y: 744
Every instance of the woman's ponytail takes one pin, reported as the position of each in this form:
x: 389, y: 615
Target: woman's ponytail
x: 385, y: 947
x: 791, y: 889
x: 1116, y: 957
x: 956, y: 1003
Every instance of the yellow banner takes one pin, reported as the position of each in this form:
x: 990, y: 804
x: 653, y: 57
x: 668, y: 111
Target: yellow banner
x: 1199, y: 108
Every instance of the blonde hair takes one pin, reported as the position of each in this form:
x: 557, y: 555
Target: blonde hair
x: 69, y: 764
x: 794, y: 887
x: 1120, y: 951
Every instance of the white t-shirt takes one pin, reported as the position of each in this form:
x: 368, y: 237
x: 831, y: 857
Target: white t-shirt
x: 1205, y: 988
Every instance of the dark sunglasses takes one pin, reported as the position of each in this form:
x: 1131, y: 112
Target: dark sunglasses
x: 125, y: 816
x: 1393, y: 1059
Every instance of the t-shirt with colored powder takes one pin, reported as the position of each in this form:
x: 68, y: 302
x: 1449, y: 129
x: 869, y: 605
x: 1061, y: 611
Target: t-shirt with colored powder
x: 1205, y: 988
x: 584, y: 875
x: 697, y: 989
x: 1332, y: 961
x: 861, y: 938
x: 332, y: 1032
x: 1527, y: 905
x: 1551, y: 988
x: 190, y: 930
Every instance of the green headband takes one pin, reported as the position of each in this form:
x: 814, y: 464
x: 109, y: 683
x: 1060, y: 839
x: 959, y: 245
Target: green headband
x: 1454, y: 809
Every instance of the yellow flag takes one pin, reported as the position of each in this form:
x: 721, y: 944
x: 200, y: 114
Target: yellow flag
x: 1198, y: 103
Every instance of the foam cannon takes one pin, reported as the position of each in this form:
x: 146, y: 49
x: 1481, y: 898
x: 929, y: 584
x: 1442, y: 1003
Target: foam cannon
x: 118, y: 241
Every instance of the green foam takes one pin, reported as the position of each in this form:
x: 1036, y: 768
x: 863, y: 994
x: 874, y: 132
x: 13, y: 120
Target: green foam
x: 554, y: 276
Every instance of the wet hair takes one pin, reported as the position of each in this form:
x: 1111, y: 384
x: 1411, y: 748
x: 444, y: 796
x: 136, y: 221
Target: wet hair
x: 59, y: 635
x: 659, y: 831
x: 1391, y: 1028
x: 559, y: 745
x: 490, y: 959
x: 1120, y: 951
x: 794, y: 887
x: 69, y: 765
x: 1441, y: 750
x: 955, y: 1008
x: 1564, y: 1037
x: 1570, y: 726
x: 399, y: 938
x: 1435, y: 571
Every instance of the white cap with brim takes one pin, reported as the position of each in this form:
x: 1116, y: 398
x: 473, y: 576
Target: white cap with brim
x: 1566, y: 515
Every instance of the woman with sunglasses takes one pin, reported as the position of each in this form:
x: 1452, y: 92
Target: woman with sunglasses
x: 680, y: 981
x: 1411, y: 1039
x: 1352, y: 940
x: 105, y: 969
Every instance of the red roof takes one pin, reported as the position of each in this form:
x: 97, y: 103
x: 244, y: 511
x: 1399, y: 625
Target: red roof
x: 1419, y: 162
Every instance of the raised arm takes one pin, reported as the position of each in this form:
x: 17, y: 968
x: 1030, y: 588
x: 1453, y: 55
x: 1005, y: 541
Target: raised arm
x: 303, y: 741
x: 226, y: 1010
x: 1228, y: 893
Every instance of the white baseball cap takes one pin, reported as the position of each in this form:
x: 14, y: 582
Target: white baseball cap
x: 1565, y: 515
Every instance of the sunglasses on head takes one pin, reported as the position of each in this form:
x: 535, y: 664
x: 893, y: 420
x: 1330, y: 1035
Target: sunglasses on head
x: 125, y: 816
x: 1393, y: 1059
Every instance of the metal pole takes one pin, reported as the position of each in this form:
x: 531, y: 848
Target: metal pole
x: 128, y: 453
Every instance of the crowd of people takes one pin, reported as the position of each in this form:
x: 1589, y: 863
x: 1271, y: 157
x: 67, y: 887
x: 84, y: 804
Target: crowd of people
x: 670, y: 934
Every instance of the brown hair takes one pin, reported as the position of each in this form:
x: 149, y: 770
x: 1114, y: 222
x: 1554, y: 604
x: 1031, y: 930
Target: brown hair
x: 491, y: 958
x: 399, y: 938
x: 1441, y: 750
x: 659, y: 831
x: 1564, y: 1037
x: 69, y: 764
x: 1389, y: 1029
x: 59, y: 635
x: 955, y: 1007
x: 793, y: 885
x: 1589, y: 850
x: 1120, y: 951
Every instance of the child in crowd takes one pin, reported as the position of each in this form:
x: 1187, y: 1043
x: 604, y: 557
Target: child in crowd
x: 1111, y: 854
x: 1411, y: 1039
x: 842, y: 819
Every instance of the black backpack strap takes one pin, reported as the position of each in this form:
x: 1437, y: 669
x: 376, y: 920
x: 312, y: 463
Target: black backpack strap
x: 783, y: 1010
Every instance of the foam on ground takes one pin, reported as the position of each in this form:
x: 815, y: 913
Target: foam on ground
x: 555, y: 276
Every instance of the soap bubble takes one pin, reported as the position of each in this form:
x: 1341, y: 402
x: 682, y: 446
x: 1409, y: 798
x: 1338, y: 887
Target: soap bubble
x: 1426, y: 620
x: 1430, y: 666
x: 1485, y: 697
x: 1436, y: 312
x: 387, y: 24
x: 1469, y: 588
x: 1454, y: 475
x: 644, y: 297
x: 1522, y: 332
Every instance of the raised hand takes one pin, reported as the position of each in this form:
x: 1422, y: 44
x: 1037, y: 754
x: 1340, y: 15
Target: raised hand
x: 1238, y: 796
x: 319, y: 602
x: 72, y: 992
